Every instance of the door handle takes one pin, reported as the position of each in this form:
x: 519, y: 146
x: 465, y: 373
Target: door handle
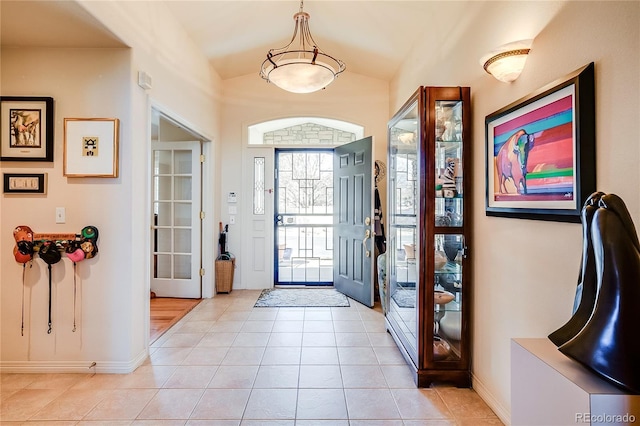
x: 367, y: 235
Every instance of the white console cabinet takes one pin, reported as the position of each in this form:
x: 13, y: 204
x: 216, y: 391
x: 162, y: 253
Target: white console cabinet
x: 548, y: 388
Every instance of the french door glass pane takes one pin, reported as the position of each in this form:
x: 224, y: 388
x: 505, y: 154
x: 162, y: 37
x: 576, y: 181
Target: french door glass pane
x: 182, y: 161
x: 182, y: 241
x: 164, y: 240
x: 162, y: 162
x: 182, y: 214
x: 182, y: 267
x: 182, y: 188
x: 163, y: 266
x: 163, y: 187
x: 163, y: 212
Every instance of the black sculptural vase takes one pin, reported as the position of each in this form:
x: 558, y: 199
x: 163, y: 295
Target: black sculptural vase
x: 587, y: 289
x: 608, y: 343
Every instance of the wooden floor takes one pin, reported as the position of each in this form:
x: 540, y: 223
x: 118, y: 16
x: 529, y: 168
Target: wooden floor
x: 165, y: 312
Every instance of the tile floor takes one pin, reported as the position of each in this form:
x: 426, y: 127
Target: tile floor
x: 227, y: 363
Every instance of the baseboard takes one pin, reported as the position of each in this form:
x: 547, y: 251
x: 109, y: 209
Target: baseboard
x: 107, y: 367
x: 503, y: 414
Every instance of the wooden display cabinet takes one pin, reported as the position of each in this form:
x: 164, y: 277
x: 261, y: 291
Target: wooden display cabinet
x: 428, y: 265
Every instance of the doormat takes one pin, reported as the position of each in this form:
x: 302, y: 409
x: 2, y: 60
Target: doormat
x: 301, y: 298
x: 405, y: 298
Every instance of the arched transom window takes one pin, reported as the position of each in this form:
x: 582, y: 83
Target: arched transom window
x: 312, y: 131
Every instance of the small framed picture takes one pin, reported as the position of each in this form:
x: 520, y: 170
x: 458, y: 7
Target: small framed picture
x: 91, y: 147
x: 25, y: 183
x: 26, y: 128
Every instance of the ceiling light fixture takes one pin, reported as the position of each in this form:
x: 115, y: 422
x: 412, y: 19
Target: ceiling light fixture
x: 507, y: 62
x: 301, y: 68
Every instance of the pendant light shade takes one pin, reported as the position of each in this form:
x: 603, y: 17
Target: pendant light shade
x: 300, y: 66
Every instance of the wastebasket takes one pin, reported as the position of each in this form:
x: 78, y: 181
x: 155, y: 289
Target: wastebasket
x: 224, y: 274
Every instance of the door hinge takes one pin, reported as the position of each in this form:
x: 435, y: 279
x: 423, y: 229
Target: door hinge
x: 201, y: 215
x: 202, y: 272
x: 202, y: 158
x: 275, y: 173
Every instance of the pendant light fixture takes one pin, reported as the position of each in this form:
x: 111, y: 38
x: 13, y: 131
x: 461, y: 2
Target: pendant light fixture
x: 300, y: 66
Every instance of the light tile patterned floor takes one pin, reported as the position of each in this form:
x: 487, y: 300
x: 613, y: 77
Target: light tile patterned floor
x: 230, y: 364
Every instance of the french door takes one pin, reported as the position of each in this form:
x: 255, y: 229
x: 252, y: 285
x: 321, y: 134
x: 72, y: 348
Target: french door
x: 176, y: 230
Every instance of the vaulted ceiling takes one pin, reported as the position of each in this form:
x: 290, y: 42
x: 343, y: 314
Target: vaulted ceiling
x: 371, y: 37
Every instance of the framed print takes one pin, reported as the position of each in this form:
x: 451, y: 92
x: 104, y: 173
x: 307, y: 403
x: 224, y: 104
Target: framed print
x: 26, y: 128
x: 540, y: 152
x: 25, y: 183
x: 91, y: 147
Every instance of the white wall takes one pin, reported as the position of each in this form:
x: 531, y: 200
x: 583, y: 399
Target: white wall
x: 250, y: 100
x: 91, y: 83
x: 525, y: 272
x: 186, y: 88
x: 83, y: 83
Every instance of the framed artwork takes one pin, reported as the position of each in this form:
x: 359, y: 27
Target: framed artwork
x: 25, y: 183
x: 540, y: 152
x: 26, y: 128
x: 91, y: 147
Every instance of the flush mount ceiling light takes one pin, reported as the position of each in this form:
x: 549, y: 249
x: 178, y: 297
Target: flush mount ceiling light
x: 300, y: 66
x: 507, y: 62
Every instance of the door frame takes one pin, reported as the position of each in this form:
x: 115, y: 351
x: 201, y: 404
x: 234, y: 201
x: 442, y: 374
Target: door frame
x: 275, y: 253
x: 252, y: 132
x: 208, y: 184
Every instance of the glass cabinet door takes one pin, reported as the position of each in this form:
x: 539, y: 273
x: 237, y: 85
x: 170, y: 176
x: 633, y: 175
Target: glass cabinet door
x: 449, y: 241
x: 447, y: 297
x: 448, y: 163
x: 403, y: 222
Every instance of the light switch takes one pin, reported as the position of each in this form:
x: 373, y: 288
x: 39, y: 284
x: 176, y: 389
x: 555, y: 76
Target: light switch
x: 60, y: 215
x: 232, y: 220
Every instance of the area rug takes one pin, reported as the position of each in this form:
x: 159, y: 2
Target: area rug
x: 301, y: 298
x: 405, y: 298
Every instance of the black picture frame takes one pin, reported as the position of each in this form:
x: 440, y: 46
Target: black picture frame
x: 25, y: 183
x: 553, y: 130
x: 26, y: 128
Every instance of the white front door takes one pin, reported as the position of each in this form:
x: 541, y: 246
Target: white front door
x: 176, y: 230
x: 257, y: 219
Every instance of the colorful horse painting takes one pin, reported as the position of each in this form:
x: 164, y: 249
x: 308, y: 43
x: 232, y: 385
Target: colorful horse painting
x: 511, y: 161
x: 533, y: 153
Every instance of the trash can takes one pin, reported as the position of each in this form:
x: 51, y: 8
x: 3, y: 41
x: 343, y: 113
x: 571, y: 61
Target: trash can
x: 224, y: 274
